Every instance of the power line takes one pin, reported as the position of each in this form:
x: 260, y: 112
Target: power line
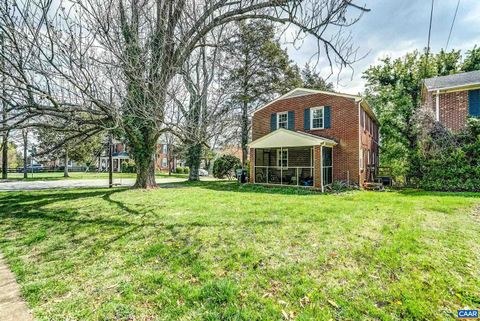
x: 451, y: 27
x: 428, y: 43
x: 430, y: 28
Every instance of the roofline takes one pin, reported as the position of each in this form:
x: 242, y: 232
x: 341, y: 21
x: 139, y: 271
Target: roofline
x: 453, y: 88
x: 310, y: 92
x: 323, y: 139
x: 369, y: 110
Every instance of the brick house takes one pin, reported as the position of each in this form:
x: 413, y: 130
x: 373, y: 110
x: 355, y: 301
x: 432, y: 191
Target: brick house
x: 313, y: 138
x: 453, y: 98
x: 163, y: 159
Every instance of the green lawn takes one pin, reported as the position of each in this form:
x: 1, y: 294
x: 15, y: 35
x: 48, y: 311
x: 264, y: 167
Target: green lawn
x: 219, y: 251
x: 82, y: 175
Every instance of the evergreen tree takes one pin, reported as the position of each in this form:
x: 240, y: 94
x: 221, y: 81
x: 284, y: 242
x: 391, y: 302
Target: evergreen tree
x: 312, y: 80
x: 258, y: 70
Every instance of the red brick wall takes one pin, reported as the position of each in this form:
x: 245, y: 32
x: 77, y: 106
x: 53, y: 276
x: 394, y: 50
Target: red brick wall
x: 453, y: 108
x: 369, y: 134
x: 252, y: 170
x: 344, y: 128
x: 160, y: 156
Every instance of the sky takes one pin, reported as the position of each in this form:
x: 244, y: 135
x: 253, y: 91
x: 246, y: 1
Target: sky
x: 395, y: 27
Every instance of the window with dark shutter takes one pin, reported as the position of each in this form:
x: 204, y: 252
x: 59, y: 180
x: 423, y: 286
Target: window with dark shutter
x: 474, y: 103
x: 306, y: 119
x: 327, y: 117
x: 291, y: 120
x: 273, y: 122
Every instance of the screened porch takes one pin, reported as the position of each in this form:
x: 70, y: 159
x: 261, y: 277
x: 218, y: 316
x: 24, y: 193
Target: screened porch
x: 285, y: 166
x: 291, y: 166
x: 292, y: 158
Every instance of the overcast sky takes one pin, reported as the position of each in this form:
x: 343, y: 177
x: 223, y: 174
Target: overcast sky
x: 395, y: 27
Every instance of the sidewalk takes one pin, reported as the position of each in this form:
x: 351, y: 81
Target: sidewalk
x: 12, y: 306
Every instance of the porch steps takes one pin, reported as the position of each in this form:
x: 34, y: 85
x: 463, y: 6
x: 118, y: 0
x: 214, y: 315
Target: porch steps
x: 371, y: 186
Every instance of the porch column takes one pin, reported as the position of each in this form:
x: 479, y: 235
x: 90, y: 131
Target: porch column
x: 317, y: 167
x: 252, y: 165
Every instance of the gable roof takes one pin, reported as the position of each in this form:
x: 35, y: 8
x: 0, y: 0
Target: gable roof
x: 288, y: 138
x: 463, y: 79
x: 297, y: 92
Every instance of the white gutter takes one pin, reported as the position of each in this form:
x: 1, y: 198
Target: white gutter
x: 437, y: 105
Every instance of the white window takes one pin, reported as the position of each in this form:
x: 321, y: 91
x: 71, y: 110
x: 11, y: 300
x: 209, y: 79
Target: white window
x: 316, y: 118
x: 282, y: 120
x: 164, y: 162
x: 282, y: 158
x: 164, y: 148
x: 369, y: 160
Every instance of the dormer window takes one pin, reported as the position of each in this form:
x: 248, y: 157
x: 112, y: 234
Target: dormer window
x: 282, y: 120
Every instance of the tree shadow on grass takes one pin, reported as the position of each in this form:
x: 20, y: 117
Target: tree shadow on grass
x: 417, y: 192
x: 34, y: 228
x: 234, y: 186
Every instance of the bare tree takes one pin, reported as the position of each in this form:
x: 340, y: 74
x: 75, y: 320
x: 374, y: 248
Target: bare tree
x: 83, y: 48
x: 201, y: 114
x: 5, y: 132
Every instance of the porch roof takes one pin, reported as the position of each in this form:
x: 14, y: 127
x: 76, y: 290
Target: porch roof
x: 289, y: 138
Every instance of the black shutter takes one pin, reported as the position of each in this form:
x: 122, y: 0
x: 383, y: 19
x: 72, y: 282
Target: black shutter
x: 273, y: 122
x: 306, y: 119
x: 326, y: 117
x: 474, y: 103
x: 291, y: 120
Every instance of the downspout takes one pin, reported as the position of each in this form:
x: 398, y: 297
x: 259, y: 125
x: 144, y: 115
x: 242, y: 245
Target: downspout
x: 437, y: 106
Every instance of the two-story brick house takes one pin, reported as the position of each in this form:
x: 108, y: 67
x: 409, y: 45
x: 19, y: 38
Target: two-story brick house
x: 312, y: 138
x: 453, y: 98
x: 163, y: 157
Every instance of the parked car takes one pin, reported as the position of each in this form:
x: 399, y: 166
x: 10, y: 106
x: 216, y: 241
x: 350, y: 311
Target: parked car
x: 202, y: 172
x: 31, y: 168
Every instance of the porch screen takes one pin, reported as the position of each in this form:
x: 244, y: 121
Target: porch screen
x: 327, y: 165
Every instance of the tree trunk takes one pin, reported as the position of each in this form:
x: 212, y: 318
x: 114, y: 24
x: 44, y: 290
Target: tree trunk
x: 25, y: 142
x: 145, y: 173
x: 5, y: 116
x: 65, y: 169
x: 244, y: 133
x: 5, y: 156
x: 194, y: 159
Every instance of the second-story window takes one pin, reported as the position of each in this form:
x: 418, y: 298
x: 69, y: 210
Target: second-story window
x: 282, y: 120
x: 316, y: 118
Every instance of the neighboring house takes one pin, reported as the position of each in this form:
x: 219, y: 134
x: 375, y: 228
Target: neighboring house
x: 120, y: 155
x: 313, y: 138
x: 453, y: 98
x: 164, y: 160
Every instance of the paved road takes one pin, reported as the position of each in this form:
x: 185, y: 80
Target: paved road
x: 73, y: 183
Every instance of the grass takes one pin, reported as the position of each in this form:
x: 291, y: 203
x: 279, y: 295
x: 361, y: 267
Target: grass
x: 220, y: 251
x: 82, y: 175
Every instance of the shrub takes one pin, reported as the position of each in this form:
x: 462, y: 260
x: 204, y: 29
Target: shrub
x: 225, y: 166
x: 186, y: 170
x: 179, y: 170
x: 129, y: 167
x: 447, y: 161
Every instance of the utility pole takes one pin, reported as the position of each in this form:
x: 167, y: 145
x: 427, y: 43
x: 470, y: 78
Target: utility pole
x: 110, y: 161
